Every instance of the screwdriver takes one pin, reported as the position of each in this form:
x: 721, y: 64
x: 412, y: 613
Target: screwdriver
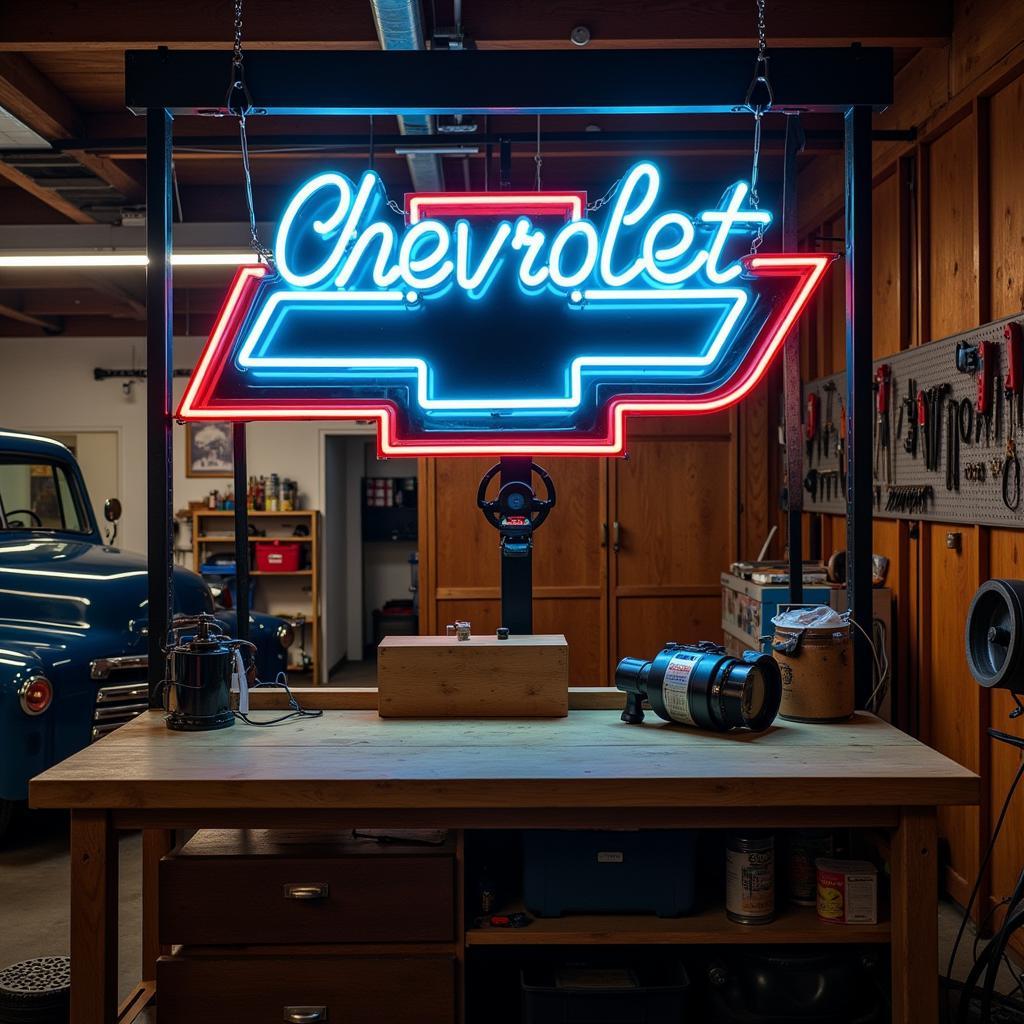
x: 1014, y: 368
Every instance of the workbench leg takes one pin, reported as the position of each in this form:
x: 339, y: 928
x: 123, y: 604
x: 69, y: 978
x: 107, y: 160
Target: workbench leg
x: 156, y: 842
x: 915, y: 918
x: 93, y: 918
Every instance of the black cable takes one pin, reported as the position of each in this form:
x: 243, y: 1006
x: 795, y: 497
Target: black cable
x: 969, y: 988
x: 998, y: 945
x: 981, y: 873
x: 298, y: 711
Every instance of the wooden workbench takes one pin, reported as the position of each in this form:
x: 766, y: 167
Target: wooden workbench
x: 589, y: 770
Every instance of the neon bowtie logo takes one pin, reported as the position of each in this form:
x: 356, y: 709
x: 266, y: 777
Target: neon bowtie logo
x: 500, y: 322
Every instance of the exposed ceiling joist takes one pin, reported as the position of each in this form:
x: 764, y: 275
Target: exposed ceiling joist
x: 49, y: 196
x: 28, y: 25
x: 18, y: 315
x: 35, y: 101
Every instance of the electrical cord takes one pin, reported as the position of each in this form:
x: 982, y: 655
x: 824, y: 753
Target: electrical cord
x: 297, y: 710
x: 977, y: 881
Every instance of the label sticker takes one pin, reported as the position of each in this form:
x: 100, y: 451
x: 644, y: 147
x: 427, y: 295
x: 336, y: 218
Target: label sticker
x: 610, y: 857
x: 674, y: 689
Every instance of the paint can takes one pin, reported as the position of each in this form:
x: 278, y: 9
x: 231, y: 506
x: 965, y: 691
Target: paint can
x: 750, y: 878
x: 806, y: 845
x: 847, y: 891
x: 817, y: 672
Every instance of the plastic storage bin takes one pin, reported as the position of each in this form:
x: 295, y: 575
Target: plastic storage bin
x: 277, y: 555
x: 627, y: 872
x: 651, y: 994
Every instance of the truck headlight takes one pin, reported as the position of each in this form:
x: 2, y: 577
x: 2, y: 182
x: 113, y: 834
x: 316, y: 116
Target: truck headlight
x: 36, y: 695
x: 285, y: 635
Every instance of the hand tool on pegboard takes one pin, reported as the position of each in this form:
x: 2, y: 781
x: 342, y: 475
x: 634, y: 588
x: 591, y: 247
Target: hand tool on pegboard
x: 952, y: 447
x: 965, y: 419
x: 983, y: 405
x: 828, y: 428
x: 841, y: 445
x: 1012, y: 382
x: 908, y: 414
x: 1011, y: 476
x: 811, y: 426
x: 922, y: 423
x: 883, y: 440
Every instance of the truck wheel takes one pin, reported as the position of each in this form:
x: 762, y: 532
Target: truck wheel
x: 8, y: 808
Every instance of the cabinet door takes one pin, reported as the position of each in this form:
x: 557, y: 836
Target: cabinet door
x: 674, y: 522
x: 463, y: 577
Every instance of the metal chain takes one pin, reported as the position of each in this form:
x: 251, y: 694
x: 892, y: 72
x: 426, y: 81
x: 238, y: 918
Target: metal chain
x: 239, y: 88
x: 537, y: 159
x: 606, y: 198
x: 758, y: 108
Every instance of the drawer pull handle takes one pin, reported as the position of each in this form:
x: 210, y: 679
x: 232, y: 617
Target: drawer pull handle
x: 316, y: 891
x: 304, y: 1014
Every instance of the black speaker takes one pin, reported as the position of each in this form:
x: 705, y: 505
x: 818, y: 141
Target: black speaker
x: 994, y: 637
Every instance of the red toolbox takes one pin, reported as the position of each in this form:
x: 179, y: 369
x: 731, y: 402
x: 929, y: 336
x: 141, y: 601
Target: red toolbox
x: 277, y: 555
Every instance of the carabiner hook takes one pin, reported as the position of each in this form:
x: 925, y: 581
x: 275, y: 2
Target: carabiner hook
x: 761, y: 80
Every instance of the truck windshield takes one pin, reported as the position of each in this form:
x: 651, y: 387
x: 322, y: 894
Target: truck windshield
x: 39, y: 495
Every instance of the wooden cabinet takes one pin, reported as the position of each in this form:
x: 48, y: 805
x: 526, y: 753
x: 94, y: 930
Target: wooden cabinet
x: 272, y: 925
x: 629, y: 558
x: 305, y: 989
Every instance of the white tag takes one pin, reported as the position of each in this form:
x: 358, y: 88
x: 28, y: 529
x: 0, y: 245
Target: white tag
x: 240, y: 683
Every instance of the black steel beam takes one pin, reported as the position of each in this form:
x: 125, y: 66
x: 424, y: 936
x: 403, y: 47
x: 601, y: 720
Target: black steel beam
x: 791, y: 377
x: 159, y: 356
x: 859, y: 405
x: 517, y: 572
x: 240, y: 454
x: 817, y: 138
x: 508, y: 81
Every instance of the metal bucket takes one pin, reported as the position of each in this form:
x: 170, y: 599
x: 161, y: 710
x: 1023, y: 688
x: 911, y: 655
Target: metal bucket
x: 817, y: 673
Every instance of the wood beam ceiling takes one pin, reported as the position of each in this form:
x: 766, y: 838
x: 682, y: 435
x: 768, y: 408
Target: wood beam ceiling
x: 30, y: 26
x: 32, y: 98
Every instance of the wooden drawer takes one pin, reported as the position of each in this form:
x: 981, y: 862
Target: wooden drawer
x: 280, y: 888
x: 303, y: 988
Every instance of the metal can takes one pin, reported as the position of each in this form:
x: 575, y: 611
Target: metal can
x: 750, y: 878
x: 806, y: 845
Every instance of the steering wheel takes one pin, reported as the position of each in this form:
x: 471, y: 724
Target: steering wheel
x: 516, y: 498
x: 25, y: 512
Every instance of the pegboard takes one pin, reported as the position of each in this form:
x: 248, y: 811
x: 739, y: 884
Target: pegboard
x: 930, y: 365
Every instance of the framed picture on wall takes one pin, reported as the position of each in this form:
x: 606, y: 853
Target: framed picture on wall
x: 208, y: 450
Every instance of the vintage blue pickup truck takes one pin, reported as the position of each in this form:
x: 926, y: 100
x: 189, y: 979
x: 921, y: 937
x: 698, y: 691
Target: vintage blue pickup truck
x: 73, y: 617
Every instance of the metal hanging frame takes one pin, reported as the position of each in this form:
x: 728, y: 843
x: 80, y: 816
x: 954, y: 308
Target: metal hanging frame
x: 161, y: 83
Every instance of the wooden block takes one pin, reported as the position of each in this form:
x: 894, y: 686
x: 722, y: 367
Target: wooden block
x: 441, y: 677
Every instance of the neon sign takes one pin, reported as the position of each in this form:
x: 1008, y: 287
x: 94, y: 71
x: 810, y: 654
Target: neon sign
x: 500, y: 323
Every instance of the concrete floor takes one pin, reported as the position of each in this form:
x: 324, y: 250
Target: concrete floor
x: 34, y: 901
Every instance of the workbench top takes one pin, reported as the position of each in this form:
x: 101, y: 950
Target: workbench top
x: 356, y: 760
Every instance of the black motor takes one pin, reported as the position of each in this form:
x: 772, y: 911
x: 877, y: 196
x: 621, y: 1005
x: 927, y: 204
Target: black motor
x: 197, y: 695
x: 701, y: 685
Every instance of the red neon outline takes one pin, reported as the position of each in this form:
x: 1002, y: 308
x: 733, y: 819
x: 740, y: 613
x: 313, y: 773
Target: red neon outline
x: 572, y: 205
x: 196, y: 403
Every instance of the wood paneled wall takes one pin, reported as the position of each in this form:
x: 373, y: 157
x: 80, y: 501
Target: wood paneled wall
x: 948, y: 254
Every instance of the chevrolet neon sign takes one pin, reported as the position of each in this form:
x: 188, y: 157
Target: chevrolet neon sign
x: 500, y: 323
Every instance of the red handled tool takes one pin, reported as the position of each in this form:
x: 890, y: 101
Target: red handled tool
x: 987, y: 366
x: 1013, y: 384
x: 883, y: 381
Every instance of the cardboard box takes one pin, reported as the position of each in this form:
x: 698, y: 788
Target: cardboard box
x: 442, y: 677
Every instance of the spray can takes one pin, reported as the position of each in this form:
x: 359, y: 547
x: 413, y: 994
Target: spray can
x: 750, y: 878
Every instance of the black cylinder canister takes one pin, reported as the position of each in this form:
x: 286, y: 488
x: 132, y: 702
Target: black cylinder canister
x: 702, y: 686
x: 199, y: 687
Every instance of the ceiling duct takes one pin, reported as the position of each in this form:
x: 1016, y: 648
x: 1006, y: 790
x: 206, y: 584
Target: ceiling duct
x: 400, y: 27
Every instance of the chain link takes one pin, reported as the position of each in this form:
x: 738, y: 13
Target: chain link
x: 238, y: 88
x: 761, y: 82
x: 537, y: 159
x: 606, y: 198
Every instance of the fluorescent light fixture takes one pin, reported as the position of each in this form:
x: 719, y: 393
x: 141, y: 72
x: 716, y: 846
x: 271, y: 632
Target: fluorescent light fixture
x: 123, y: 259
x: 436, y: 150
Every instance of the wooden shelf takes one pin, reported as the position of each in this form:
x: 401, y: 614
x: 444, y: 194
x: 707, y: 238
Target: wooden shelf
x: 229, y: 539
x: 266, y: 596
x: 793, y: 925
x: 301, y: 512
